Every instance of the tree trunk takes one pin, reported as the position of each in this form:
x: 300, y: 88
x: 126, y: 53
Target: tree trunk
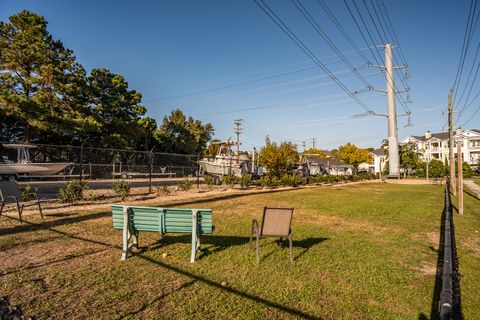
x: 26, y: 133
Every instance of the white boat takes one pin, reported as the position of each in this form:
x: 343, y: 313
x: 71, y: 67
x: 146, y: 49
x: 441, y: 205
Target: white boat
x: 24, y: 166
x: 225, y: 163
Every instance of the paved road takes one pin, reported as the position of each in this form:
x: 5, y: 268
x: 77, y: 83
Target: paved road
x: 475, y: 188
x: 49, y: 189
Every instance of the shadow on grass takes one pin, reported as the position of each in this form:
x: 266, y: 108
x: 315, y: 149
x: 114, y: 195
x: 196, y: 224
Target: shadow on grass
x: 305, y: 244
x: 437, y: 290
x: 474, y: 196
x: 254, y: 298
x: 30, y: 226
x: 66, y: 258
x: 216, y: 243
x: 220, y: 241
x: 159, y: 298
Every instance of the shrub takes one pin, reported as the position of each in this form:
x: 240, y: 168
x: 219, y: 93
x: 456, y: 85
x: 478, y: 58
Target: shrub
x: 162, y: 190
x: 122, y: 188
x: 291, y: 180
x: 245, y: 180
x: 230, y: 180
x: 269, y: 181
x: 73, y: 191
x: 28, y: 194
x: 185, y: 184
x: 467, y: 170
x: 208, y: 181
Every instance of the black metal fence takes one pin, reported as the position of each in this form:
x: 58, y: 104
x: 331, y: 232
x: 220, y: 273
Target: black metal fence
x: 449, y: 306
x: 92, y: 163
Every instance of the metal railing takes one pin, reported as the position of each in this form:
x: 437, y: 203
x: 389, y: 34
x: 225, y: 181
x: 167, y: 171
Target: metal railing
x: 450, y: 297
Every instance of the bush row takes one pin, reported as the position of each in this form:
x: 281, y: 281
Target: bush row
x: 291, y: 180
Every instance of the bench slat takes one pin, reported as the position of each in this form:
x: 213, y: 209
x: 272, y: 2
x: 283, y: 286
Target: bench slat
x: 177, y: 220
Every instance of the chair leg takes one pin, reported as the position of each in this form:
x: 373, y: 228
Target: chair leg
x: 258, y: 246
x: 40, y: 209
x: 1, y: 208
x: 255, y: 228
x: 291, y: 246
x: 19, y: 209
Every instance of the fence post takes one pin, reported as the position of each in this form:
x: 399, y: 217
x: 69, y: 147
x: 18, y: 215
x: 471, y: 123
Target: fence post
x: 198, y: 170
x: 151, y: 170
x: 81, y: 159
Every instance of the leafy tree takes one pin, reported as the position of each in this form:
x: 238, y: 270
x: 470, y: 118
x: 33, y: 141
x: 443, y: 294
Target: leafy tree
x: 317, y: 152
x: 467, y: 170
x: 180, y: 134
x: 353, y: 155
x: 408, y: 157
x: 334, y: 153
x: 40, y: 82
x: 117, y: 110
x: 278, y: 159
x: 436, y: 168
x: 144, y: 133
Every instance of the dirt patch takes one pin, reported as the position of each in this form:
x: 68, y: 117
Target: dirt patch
x: 427, y: 269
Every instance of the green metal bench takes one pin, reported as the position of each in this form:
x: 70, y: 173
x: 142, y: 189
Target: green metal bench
x: 133, y: 219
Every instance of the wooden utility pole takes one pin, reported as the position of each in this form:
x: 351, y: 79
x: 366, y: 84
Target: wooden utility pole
x: 460, y: 174
x: 428, y: 164
x: 450, y: 144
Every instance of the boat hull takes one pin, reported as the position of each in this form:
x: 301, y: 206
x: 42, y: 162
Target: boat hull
x: 219, y: 170
x: 35, y: 169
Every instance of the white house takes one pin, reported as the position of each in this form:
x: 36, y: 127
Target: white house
x: 379, y: 159
x: 435, y: 145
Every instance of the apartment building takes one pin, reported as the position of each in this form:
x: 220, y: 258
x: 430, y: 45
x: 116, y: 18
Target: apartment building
x: 435, y: 145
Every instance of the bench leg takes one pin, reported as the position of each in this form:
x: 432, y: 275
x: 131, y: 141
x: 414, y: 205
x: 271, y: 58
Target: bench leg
x: 126, y: 234
x: 135, y: 239
x: 195, y: 240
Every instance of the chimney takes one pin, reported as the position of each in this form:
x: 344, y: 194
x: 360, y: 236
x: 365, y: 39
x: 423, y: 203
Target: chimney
x: 428, y: 134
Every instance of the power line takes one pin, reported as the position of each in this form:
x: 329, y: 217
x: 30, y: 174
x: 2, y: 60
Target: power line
x: 301, y: 8
x: 407, y: 110
x: 241, y: 83
x: 268, y: 11
x: 297, y: 104
x: 465, y: 45
x: 471, y: 117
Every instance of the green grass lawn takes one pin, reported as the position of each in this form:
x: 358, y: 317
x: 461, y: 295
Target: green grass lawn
x: 365, y: 251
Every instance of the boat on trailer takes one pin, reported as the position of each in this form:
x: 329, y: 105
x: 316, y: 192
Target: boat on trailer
x: 23, y: 166
x: 225, y: 162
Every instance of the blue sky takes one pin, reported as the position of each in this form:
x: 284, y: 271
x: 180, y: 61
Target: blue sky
x: 167, y: 50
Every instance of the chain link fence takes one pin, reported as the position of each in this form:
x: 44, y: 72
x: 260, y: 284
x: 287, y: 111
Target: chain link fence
x: 57, y: 162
